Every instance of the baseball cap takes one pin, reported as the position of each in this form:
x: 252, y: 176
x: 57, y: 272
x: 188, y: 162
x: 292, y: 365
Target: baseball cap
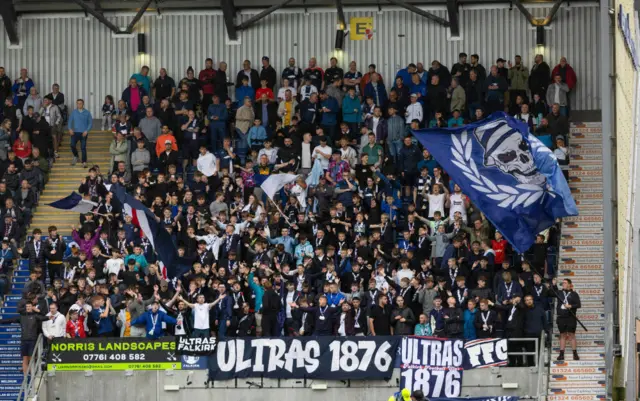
x: 265, y: 58
x: 167, y: 142
x: 406, y: 394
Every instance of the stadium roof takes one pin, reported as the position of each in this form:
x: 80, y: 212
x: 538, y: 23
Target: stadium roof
x: 39, y: 6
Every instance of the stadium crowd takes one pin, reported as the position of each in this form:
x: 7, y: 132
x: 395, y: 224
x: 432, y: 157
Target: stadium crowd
x: 379, y: 241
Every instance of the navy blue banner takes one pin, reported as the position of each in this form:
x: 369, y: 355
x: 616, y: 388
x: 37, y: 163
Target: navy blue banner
x: 327, y: 358
x: 436, y: 366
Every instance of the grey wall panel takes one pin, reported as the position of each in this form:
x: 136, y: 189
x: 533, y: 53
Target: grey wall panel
x: 81, y: 54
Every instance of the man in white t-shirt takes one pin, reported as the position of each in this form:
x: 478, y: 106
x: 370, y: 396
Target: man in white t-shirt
x: 207, y: 163
x: 457, y: 202
x: 201, y: 310
x: 323, y: 153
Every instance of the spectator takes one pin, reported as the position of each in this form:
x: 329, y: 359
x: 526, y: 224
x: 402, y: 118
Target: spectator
x: 5, y: 86
x: 52, y: 115
x: 33, y: 100
x: 558, y: 123
x: 517, y: 77
x: 458, y: 97
x: 164, y: 87
x: 539, y: 77
x: 568, y: 76
x: 557, y: 94
x: 80, y: 123
x: 22, y: 88
x: 253, y: 79
x: 268, y: 74
x: 292, y: 73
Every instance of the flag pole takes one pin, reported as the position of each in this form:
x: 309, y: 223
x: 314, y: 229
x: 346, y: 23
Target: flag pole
x: 281, y: 212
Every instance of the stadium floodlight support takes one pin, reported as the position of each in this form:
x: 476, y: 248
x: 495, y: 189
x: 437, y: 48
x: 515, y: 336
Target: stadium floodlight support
x: 229, y: 14
x: 138, y: 16
x: 246, y: 24
x: 454, y: 20
x: 96, y: 12
x: 10, y: 20
x: 341, y: 18
x: 546, y: 21
x: 419, y: 11
x: 99, y: 16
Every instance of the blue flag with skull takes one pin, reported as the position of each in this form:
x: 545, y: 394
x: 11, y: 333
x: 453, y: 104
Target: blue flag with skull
x: 512, y: 177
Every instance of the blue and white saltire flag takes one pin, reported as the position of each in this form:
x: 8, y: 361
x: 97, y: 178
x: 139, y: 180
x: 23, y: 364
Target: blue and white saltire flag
x: 512, y: 177
x: 144, y: 219
x: 74, y: 203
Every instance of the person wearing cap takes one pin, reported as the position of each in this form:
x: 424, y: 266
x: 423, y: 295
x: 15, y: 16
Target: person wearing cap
x: 268, y: 73
x: 253, y: 78
x: 414, y: 110
x: 168, y: 157
x: 160, y: 144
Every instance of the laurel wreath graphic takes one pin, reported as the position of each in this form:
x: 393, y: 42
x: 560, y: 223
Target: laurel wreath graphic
x: 508, y: 196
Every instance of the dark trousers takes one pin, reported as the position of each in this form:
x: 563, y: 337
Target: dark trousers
x: 55, y: 270
x: 270, y: 325
x: 78, y: 137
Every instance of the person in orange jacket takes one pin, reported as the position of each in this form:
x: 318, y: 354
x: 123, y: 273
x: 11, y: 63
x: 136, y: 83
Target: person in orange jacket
x: 166, y: 135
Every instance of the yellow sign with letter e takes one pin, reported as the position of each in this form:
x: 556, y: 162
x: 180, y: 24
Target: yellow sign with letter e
x: 361, y: 28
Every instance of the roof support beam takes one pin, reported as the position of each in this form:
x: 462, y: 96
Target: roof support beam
x: 341, y: 19
x: 138, y: 16
x: 261, y: 15
x: 421, y: 12
x: 10, y: 20
x: 452, y: 11
x: 229, y: 14
x: 546, y: 21
x: 97, y: 15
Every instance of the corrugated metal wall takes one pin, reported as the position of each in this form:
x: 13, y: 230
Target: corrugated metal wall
x: 81, y: 55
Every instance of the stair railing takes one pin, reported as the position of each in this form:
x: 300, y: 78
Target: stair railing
x: 33, y: 377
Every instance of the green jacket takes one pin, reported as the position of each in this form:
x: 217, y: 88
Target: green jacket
x: 458, y: 99
x: 518, y: 77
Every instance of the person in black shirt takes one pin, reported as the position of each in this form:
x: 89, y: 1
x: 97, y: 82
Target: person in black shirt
x: 164, y: 87
x: 567, y: 306
x: 324, y: 314
x: 333, y: 72
x: 380, y: 317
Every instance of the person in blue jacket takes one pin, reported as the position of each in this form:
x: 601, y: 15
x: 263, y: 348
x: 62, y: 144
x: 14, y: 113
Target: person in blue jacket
x: 153, y: 320
x: 329, y: 120
x: 406, y: 73
x: 377, y: 91
x: 352, y: 110
x: 222, y: 312
x: 218, y: 116
x: 245, y: 90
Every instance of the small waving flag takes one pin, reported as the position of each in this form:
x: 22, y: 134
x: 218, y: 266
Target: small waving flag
x: 74, y: 203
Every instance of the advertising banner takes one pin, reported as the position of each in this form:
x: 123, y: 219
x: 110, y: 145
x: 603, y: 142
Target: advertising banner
x: 113, y: 354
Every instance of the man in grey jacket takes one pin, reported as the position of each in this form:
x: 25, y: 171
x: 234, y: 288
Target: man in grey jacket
x: 425, y: 296
x: 557, y: 93
x: 53, y: 116
x: 140, y: 158
x: 395, y: 132
x: 150, y: 126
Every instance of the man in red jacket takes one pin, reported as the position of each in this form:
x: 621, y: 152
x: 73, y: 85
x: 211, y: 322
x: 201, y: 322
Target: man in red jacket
x: 207, y: 79
x: 568, y: 76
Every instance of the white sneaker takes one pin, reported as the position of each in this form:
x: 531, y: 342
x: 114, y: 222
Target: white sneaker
x: 74, y: 161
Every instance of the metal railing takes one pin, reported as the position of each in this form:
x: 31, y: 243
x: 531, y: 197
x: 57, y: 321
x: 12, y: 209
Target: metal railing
x: 33, y: 377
